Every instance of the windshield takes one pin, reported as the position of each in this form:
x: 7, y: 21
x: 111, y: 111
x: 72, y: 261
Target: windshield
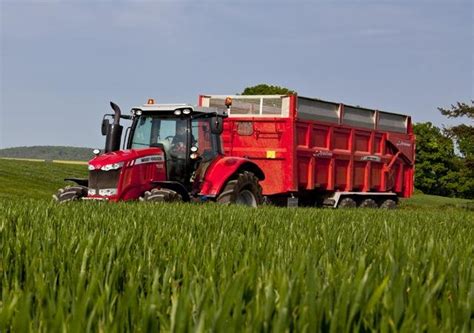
x: 154, y: 131
x: 174, y: 135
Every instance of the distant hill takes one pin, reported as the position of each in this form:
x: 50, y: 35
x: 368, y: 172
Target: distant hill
x: 49, y: 153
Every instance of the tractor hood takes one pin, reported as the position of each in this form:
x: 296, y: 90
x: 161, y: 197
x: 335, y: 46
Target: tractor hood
x: 117, y: 159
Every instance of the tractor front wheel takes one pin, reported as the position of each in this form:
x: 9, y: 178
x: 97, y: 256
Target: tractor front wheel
x: 70, y: 193
x: 243, y: 190
x: 161, y: 195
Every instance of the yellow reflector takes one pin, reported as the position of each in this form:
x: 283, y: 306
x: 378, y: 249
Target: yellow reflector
x: 271, y: 154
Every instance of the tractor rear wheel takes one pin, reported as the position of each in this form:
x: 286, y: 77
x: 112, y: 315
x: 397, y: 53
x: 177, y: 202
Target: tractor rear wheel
x: 70, y: 193
x: 368, y: 203
x: 243, y: 190
x: 161, y: 195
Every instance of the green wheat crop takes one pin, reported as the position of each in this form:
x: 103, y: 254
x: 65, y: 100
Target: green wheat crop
x: 139, y: 267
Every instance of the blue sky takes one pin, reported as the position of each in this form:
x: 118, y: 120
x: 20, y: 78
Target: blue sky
x: 63, y: 61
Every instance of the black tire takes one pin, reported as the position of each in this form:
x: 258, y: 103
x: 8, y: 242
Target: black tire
x: 347, y: 203
x: 70, y: 193
x: 243, y: 190
x: 368, y: 203
x: 161, y: 195
x: 388, y: 204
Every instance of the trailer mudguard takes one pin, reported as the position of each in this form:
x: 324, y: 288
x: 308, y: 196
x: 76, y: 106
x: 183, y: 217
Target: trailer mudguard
x: 223, y: 170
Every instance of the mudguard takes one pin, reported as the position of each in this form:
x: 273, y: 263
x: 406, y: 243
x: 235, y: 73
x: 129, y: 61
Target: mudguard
x: 222, y: 170
x: 79, y: 181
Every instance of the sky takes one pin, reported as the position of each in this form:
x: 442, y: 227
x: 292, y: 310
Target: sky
x: 63, y: 61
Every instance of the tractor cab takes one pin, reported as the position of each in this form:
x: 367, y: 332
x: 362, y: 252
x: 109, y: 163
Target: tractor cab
x: 188, y: 136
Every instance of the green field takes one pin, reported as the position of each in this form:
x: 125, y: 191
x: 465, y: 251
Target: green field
x: 36, y: 180
x: 138, y: 267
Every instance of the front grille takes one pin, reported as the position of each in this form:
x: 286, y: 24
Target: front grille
x: 99, y: 179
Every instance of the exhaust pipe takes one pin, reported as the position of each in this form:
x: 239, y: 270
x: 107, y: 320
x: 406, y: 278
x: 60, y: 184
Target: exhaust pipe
x: 114, y: 131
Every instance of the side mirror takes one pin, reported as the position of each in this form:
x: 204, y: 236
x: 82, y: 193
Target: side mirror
x: 105, y: 126
x: 217, y: 125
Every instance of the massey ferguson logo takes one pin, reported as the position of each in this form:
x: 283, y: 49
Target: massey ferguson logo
x: 403, y: 143
x: 149, y: 159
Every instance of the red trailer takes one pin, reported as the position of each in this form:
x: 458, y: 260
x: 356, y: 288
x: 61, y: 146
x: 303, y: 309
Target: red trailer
x: 319, y: 152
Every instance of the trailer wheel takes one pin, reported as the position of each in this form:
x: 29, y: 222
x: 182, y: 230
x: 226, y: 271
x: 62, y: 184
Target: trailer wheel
x: 70, y: 193
x: 245, y: 190
x: 388, y: 204
x: 161, y: 195
x: 368, y: 203
x: 347, y: 203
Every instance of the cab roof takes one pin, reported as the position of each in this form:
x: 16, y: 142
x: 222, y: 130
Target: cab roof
x: 174, y: 107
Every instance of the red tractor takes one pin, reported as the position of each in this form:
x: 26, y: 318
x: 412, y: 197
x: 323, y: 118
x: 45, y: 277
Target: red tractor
x: 172, y: 152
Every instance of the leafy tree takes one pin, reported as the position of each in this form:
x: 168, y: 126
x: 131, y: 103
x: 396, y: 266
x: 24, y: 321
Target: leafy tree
x: 463, y: 135
x: 265, y: 89
x: 436, y: 166
x: 439, y: 170
x: 459, y: 110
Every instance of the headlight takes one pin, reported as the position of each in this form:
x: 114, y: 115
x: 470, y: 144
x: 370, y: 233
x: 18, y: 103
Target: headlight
x: 107, y: 192
x: 91, y: 167
x: 91, y: 191
x: 113, y: 166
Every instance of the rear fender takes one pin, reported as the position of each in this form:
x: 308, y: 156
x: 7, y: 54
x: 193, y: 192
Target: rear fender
x: 224, y: 169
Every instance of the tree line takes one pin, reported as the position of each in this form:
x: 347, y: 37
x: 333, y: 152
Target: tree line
x: 48, y: 153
